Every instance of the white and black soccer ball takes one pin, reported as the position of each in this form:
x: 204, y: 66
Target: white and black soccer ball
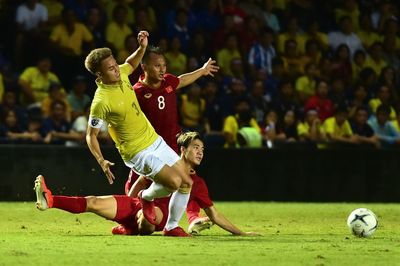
x: 362, y: 222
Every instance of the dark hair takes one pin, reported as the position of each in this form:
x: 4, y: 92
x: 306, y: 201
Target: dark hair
x: 186, y: 138
x: 149, y: 50
x: 384, y: 109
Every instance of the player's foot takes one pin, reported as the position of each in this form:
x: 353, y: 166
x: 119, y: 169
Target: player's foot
x: 148, y: 209
x: 121, y: 230
x: 44, y: 197
x: 199, y: 224
x: 177, y: 231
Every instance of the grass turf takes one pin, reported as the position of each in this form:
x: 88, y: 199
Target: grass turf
x: 292, y: 234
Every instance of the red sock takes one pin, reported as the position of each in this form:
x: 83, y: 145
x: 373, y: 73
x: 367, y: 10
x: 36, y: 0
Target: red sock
x: 70, y: 204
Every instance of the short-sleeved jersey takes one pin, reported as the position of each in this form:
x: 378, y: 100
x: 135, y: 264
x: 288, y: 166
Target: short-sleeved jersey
x: 331, y: 127
x: 161, y: 108
x: 75, y: 40
x: 39, y: 83
x: 119, y: 107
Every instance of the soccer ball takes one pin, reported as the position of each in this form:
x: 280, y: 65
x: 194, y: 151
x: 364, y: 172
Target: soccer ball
x: 362, y: 222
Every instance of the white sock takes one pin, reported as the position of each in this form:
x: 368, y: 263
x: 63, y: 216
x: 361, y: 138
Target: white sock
x: 177, y: 206
x: 155, y: 191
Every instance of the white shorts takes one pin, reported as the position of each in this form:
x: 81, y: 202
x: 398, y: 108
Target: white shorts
x: 149, y: 161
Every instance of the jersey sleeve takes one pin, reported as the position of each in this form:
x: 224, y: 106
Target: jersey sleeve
x: 98, y: 114
x: 172, y: 80
x: 200, y: 193
x: 126, y: 69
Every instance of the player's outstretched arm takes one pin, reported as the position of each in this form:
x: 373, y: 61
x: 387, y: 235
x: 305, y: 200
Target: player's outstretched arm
x: 94, y: 146
x: 209, y: 68
x: 135, y: 58
x: 220, y: 220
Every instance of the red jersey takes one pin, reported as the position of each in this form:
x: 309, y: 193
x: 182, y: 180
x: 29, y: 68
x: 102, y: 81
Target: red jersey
x: 127, y: 209
x: 160, y: 107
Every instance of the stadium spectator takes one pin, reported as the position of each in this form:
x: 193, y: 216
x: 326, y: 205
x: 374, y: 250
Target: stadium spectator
x: 261, y: 53
x: 338, y: 91
x: 310, y: 130
x: 384, y: 13
x: 109, y: 7
x: 229, y: 52
x: 306, y: 84
x: 358, y: 98
x: 337, y: 128
x: 286, y: 129
x: 192, y: 108
x: 77, y: 97
x: 389, y: 79
x: 118, y: 29
x: 220, y: 36
x: 9, y: 103
x: 358, y: 64
x: 31, y: 19
x: 95, y: 22
x: 312, y: 54
x: 383, y: 128
x: 232, y: 123
x: 247, y: 135
x: 10, y: 128
x: 383, y: 96
x: 292, y: 33
x: 270, y: 131
x: 362, y: 130
x: 341, y: 64
x: 236, y: 90
x: 348, y: 9
x: 366, y: 32
x: 230, y: 7
x: 69, y: 39
x: 314, y: 34
x: 257, y: 101
x: 180, y: 29
x: 286, y: 99
x: 210, y: 16
x: 272, y: 82
x: 56, y: 93
x: 56, y: 128
x: 35, y: 82
x: 249, y: 34
x: 346, y: 36
x: 375, y: 59
x: 151, y: 16
x: 320, y: 101
x: 291, y: 60
x: 176, y: 59
x: 270, y: 18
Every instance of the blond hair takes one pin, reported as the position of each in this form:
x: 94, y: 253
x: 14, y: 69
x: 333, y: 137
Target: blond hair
x: 95, y: 57
x: 186, y: 138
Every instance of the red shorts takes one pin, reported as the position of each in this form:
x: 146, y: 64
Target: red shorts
x: 127, y: 209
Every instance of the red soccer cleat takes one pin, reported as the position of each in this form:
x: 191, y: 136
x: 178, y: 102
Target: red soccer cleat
x: 177, y: 231
x: 148, y: 209
x: 121, y: 230
x: 44, y: 197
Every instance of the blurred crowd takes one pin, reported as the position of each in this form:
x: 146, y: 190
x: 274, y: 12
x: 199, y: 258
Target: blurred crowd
x: 292, y: 72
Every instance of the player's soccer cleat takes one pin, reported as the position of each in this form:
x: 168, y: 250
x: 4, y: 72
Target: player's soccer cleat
x: 177, y: 231
x: 121, y: 230
x: 148, y: 209
x: 199, y: 224
x: 44, y: 197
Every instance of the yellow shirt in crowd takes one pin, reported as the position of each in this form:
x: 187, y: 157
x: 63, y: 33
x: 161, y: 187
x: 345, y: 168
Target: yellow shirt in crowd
x: 331, y: 127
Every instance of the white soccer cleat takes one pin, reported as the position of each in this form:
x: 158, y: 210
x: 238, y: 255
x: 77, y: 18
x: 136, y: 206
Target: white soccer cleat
x: 44, y: 197
x: 199, y: 225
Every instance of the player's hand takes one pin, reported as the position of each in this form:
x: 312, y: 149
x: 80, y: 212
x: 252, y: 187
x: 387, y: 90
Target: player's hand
x: 105, y: 165
x: 210, y: 67
x: 143, y: 38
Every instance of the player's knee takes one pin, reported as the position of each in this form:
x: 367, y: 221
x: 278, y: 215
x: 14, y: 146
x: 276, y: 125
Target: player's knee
x: 91, y: 202
x: 174, y: 183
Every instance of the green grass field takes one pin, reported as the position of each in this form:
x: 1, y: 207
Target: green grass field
x: 292, y: 234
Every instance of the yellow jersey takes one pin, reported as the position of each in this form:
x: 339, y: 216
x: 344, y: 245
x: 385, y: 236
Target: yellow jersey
x: 331, y: 127
x: 231, y: 126
x: 118, y: 106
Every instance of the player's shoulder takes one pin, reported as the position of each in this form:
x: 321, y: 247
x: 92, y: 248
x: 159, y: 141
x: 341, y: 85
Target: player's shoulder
x: 170, y: 79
